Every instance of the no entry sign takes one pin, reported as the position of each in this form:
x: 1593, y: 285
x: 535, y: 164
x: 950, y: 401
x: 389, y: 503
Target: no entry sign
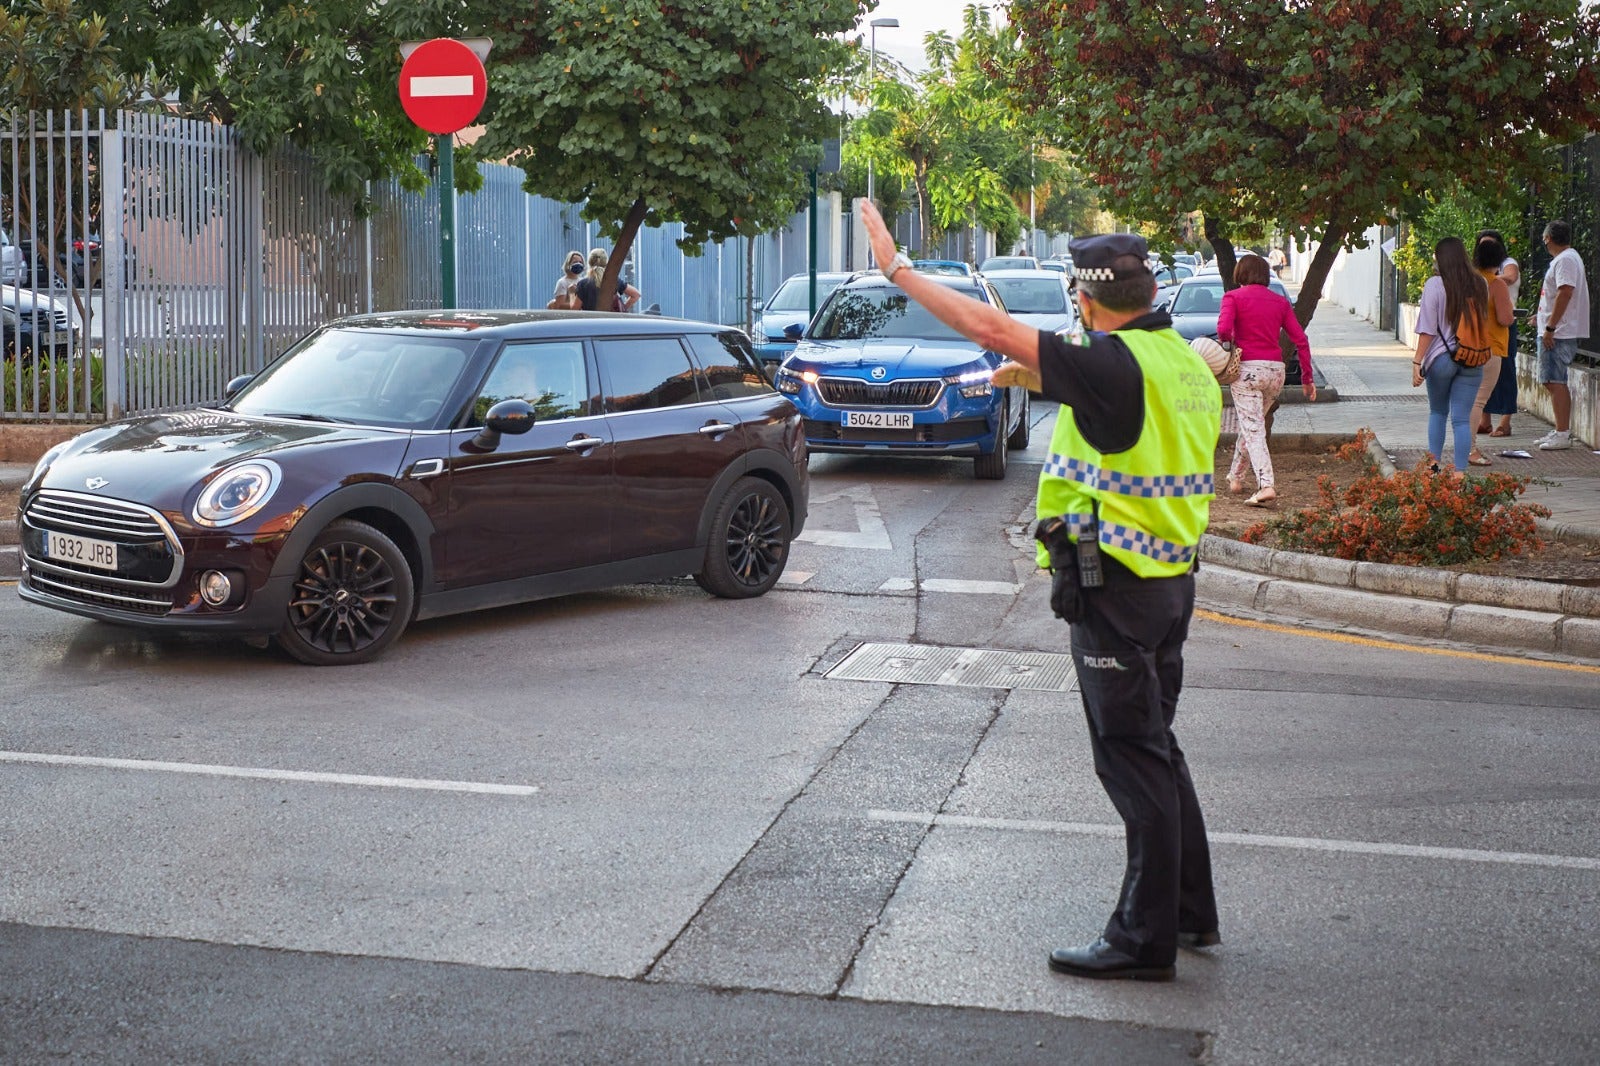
x: 442, y: 85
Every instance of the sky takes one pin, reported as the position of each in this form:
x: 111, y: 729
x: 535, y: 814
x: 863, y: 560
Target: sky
x: 917, y: 18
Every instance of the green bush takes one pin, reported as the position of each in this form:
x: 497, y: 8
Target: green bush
x: 1455, y: 213
x: 52, y: 382
x: 1421, y: 517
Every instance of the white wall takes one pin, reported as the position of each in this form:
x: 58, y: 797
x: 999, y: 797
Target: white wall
x: 1355, y: 278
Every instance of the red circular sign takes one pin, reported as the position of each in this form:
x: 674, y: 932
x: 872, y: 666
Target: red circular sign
x: 442, y: 85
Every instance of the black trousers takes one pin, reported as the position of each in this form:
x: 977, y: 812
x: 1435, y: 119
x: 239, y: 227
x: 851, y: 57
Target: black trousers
x: 1128, y: 650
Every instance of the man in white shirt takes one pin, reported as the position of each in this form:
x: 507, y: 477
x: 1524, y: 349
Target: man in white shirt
x: 1563, y: 321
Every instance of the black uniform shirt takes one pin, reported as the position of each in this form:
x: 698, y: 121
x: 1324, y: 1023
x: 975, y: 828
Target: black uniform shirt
x: 1101, y: 381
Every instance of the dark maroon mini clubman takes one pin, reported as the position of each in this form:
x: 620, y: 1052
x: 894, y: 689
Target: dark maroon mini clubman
x: 402, y: 466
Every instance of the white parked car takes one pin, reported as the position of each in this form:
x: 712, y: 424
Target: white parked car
x: 10, y: 259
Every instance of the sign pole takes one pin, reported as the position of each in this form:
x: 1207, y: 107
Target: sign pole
x: 811, y: 244
x: 447, y: 221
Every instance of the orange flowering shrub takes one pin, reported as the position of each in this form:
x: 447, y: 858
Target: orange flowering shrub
x: 1419, y: 517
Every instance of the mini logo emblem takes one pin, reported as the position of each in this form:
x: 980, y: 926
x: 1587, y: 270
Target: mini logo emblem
x: 879, y: 373
x: 97, y: 483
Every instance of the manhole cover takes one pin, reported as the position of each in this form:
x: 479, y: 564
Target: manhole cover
x: 928, y: 664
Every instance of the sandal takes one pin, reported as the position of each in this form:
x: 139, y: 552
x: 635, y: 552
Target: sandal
x: 1500, y: 431
x: 1477, y: 458
x: 1259, y: 500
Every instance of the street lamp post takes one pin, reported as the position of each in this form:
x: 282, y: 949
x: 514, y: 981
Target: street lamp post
x: 872, y: 79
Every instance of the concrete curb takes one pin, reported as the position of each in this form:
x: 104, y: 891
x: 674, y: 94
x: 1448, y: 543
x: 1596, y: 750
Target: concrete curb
x: 10, y: 563
x: 8, y: 531
x: 1412, y: 601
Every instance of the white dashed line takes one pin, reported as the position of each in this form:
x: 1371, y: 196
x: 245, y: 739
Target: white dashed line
x: 955, y: 585
x: 1253, y: 840
x: 421, y: 784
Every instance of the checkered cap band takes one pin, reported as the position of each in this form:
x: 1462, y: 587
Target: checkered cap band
x: 1095, y: 274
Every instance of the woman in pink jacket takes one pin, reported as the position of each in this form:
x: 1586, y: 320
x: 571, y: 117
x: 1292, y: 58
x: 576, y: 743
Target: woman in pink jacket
x: 1252, y: 316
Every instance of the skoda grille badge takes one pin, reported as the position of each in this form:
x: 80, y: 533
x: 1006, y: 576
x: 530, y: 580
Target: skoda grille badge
x: 879, y: 373
x: 97, y: 483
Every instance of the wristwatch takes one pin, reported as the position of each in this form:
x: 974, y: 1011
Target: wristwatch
x: 900, y: 260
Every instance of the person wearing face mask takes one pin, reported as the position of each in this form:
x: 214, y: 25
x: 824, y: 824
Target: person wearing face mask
x: 566, y: 295
x: 1123, y: 499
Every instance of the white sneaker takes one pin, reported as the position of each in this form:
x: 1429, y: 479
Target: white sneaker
x: 1557, y: 441
x: 1548, y: 436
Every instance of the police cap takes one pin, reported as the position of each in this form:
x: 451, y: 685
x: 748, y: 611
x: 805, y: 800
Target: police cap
x: 1097, y: 258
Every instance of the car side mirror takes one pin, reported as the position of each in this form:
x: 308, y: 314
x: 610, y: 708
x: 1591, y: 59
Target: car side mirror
x: 508, y: 416
x: 793, y: 331
x: 233, y: 386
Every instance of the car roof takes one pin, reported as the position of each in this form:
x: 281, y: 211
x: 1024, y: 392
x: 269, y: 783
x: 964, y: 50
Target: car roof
x: 525, y: 323
x: 875, y: 280
x: 1025, y: 274
x: 822, y: 275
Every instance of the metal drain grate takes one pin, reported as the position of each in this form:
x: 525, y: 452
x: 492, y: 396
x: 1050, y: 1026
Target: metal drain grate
x: 927, y: 664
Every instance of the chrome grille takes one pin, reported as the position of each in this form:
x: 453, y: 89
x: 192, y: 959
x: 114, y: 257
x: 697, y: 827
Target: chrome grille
x: 849, y: 392
x: 69, y: 512
x: 150, y: 556
x: 96, y: 593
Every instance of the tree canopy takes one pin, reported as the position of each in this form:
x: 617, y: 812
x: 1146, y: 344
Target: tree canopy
x: 1323, y: 118
x: 655, y: 112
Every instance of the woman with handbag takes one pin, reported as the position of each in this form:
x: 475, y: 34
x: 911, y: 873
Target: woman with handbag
x: 1252, y: 318
x: 1452, y: 346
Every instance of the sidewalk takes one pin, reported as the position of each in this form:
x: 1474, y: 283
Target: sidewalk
x: 1372, y: 372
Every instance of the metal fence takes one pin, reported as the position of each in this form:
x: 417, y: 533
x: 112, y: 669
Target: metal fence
x: 150, y: 258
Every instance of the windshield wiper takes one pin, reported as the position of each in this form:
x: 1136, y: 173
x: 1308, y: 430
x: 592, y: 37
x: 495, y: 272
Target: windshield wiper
x: 303, y: 417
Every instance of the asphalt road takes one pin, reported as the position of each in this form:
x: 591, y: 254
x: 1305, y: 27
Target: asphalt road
x: 644, y: 826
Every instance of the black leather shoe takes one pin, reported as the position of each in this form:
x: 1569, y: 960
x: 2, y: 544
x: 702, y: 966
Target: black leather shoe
x: 1101, y: 960
x: 1209, y: 939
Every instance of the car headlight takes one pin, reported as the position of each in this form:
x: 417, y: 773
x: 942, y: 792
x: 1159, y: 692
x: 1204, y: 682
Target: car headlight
x: 237, y: 493
x: 973, y: 383
x: 791, y: 381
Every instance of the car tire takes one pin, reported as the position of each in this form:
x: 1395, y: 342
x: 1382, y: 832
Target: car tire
x: 1019, y: 437
x: 749, y: 541
x: 992, y: 467
x: 353, y: 597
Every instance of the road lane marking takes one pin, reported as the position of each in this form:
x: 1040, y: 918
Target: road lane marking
x: 955, y: 585
x: 1392, y: 645
x: 796, y: 577
x: 870, y: 532
x: 1253, y: 840
x: 419, y: 784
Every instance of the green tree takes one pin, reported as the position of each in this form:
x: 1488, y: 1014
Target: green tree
x: 322, y: 74
x: 948, y: 136
x: 654, y: 112
x: 1318, y: 118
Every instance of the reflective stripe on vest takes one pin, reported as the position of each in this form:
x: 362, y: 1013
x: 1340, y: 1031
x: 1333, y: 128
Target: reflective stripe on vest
x: 1090, y: 476
x: 1154, y: 499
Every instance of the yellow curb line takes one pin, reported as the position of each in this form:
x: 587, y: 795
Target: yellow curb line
x: 1393, y: 645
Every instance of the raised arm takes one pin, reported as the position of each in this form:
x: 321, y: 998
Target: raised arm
x: 983, y: 324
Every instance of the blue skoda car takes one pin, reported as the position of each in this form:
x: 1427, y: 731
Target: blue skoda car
x: 876, y: 373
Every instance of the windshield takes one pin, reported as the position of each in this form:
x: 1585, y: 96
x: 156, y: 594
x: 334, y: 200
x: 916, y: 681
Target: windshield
x: 795, y: 294
x: 1033, y: 296
x: 1201, y: 299
x: 856, y: 314
x: 363, y: 376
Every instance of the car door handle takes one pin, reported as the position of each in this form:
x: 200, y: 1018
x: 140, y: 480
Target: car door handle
x: 715, y: 428
x: 580, y: 444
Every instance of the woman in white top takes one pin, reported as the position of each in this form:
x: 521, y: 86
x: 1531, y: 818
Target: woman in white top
x: 566, y: 295
x: 1502, y: 401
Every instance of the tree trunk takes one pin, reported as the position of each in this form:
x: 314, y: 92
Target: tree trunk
x: 1226, y: 259
x: 619, y: 253
x: 1328, y: 246
x: 924, y: 212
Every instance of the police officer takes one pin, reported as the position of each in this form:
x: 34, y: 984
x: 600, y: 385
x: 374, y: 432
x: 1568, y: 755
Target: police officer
x: 1123, y: 499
